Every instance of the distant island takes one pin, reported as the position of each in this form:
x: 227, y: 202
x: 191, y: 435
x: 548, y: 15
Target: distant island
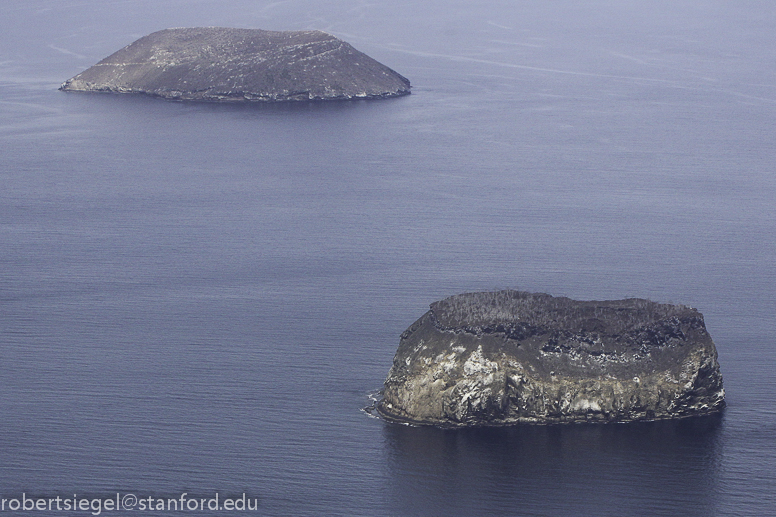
x: 241, y: 65
x: 508, y: 357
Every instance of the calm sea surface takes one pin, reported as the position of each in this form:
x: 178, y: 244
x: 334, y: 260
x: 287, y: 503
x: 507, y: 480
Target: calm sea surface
x: 201, y: 298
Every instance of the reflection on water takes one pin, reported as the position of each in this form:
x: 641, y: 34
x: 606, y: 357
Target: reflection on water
x: 653, y: 468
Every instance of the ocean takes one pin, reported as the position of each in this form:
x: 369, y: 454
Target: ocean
x: 199, y: 300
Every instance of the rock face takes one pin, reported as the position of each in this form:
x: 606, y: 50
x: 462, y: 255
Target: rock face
x: 507, y: 357
x: 222, y: 64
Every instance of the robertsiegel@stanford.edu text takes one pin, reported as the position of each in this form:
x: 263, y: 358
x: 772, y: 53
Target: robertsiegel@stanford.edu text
x: 118, y: 502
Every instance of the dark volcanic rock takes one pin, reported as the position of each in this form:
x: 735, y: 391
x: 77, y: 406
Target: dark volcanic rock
x: 507, y: 357
x: 222, y: 64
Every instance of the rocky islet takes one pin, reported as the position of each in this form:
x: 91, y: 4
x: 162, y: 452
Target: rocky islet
x: 220, y: 64
x: 508, y: 357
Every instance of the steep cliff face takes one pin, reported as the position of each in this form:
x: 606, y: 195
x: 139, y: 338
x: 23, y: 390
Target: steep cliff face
x: 507, y: 357
x: 237, y: 65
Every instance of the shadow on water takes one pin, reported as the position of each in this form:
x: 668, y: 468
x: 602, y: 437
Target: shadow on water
x: 655, y: 468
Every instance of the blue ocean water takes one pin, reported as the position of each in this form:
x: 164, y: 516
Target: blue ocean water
x: 201, y: 298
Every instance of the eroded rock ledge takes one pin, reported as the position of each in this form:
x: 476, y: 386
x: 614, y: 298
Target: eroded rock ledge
x: 507, y: 357
x: 238, y: 65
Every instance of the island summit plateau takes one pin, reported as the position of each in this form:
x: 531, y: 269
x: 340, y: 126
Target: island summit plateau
x: 509, y: 357
x: 241, y: 65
